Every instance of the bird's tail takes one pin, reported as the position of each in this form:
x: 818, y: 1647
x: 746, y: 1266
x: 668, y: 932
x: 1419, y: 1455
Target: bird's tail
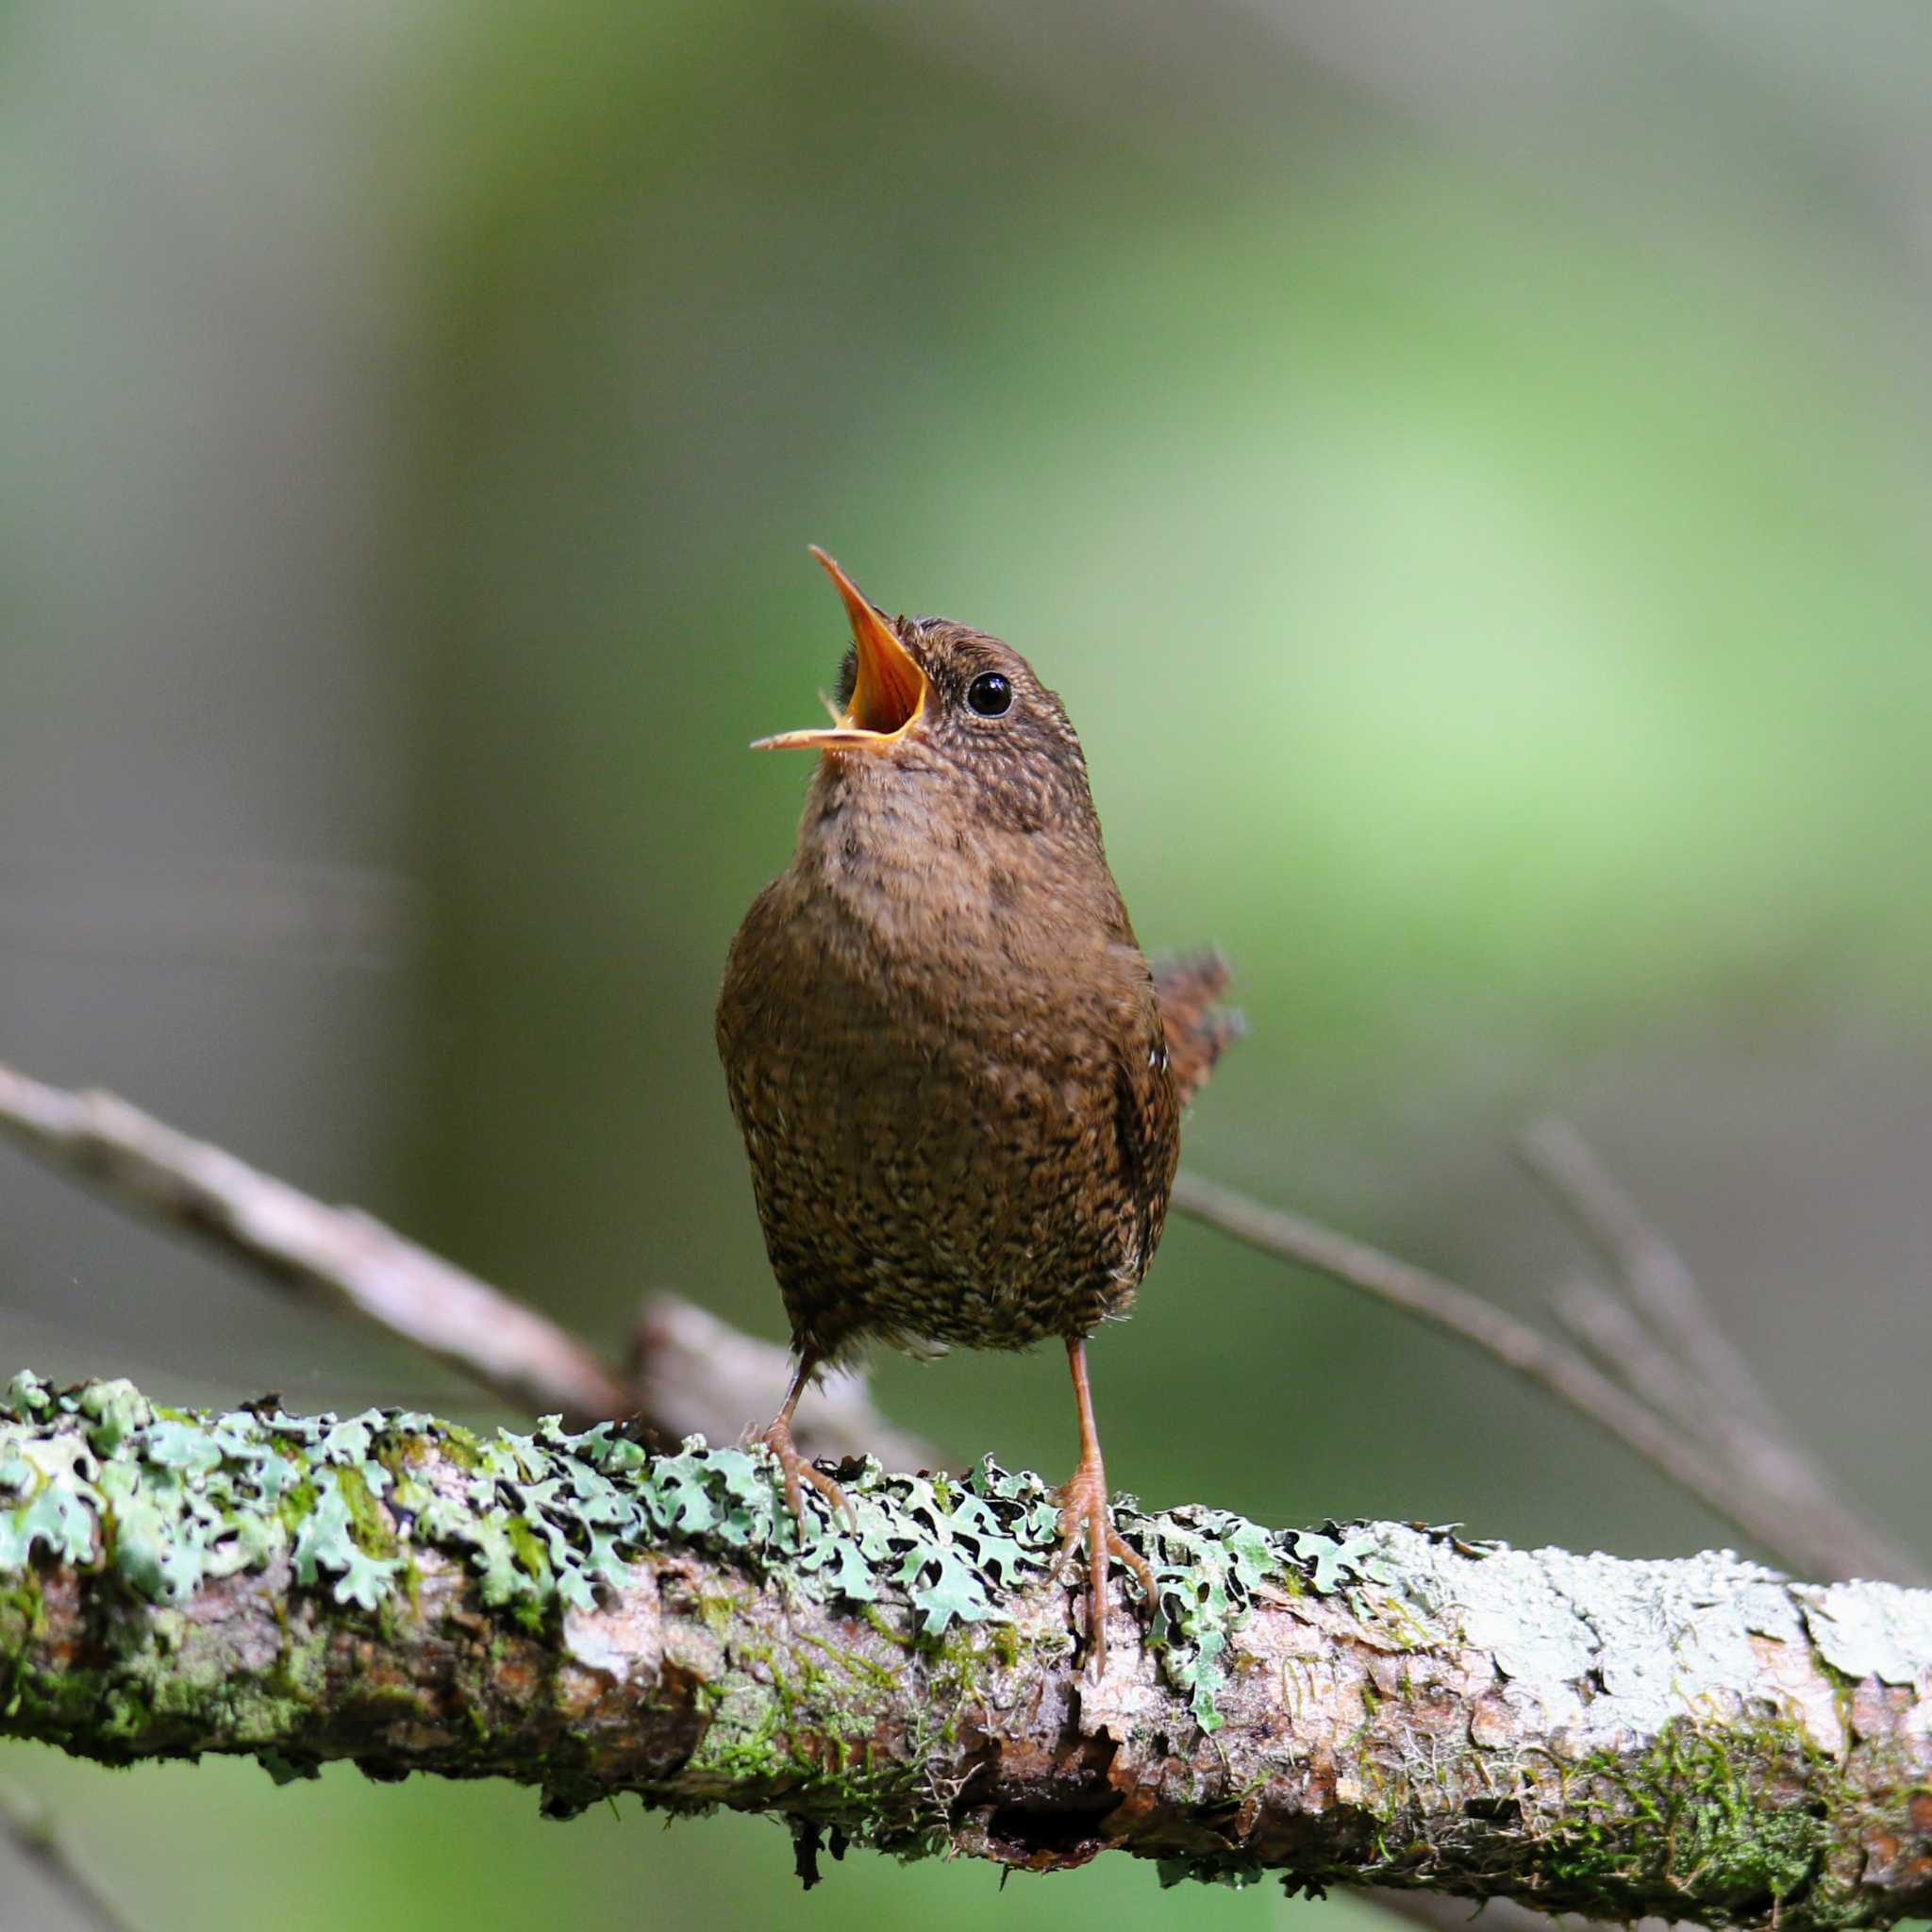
x: 1197, y: 1026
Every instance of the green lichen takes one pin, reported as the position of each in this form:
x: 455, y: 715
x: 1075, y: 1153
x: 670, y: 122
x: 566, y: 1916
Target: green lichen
x: 171, y: 1500
x: 797, y: 1720
x: 1704, y: 1813
x: 1728, y: 1823
x: 332, y: 1539
x: 548, y: 1521
x: 1209, y: 1564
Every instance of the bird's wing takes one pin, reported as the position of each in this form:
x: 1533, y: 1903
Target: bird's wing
x: 1146, y: 1121
x: 1198, y: 1027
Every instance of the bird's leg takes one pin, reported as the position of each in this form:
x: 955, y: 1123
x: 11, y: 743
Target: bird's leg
x: 1084, y: 1513
x: 777, y: 1438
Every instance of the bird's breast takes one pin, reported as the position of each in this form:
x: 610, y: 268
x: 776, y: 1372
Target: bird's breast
x: 938, y: 1063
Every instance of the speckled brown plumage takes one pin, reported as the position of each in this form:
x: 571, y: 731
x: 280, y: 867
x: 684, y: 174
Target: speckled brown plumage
x: 942, y: 1042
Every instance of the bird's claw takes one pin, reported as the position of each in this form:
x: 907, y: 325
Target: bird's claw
x: 797, y: 1472
x: 1085, y: 1514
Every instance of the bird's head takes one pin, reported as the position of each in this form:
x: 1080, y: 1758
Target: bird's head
x: 927, y: 706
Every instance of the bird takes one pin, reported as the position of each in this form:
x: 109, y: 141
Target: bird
x: 958, y: 1080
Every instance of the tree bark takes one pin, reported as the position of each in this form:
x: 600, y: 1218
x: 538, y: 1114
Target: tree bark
x: 1369, y: 1704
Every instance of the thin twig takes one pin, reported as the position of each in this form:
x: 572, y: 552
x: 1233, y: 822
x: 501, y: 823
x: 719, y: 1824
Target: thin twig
x: 338, y: 1251
x: 1655, y: 1274
x: 688, y: 1375
x: 1625, y: 1350
x: 1844, y: 1547
x: 696, y: 1375
x: 1662, y: 1340
x: 32, y: 1833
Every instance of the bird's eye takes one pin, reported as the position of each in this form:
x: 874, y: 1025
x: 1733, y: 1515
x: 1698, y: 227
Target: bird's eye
x: 989, y: 694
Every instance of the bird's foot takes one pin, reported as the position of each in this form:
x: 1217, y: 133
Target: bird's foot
x: 1084, y: 1513
x: 797, y: 1472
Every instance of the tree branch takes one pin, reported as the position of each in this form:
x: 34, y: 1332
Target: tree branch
x: 1373, y: 1704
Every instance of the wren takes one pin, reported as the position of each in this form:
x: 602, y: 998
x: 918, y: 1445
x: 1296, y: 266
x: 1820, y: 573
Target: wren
x: 958, y: 1081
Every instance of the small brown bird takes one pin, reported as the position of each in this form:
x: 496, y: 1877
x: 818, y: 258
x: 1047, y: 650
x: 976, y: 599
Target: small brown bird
x: 959, y: 1082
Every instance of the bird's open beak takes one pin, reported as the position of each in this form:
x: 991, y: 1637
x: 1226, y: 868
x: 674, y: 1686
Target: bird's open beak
x: 889, y: 693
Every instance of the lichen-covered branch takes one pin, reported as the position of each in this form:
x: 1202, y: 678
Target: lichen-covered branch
x: 1364, y: 1704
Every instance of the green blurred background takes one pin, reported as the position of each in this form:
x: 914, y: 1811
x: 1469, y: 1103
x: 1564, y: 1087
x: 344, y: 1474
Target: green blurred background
x: 1464, y: 467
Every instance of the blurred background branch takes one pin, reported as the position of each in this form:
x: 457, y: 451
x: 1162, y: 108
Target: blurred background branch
x: 687, y: 1373
x: 1692, y: 1430
x: 334, y: 1253
x: 61, y: 1871
x: 690, y: 1374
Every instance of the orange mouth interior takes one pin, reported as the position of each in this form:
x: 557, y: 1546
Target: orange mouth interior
x: 888, y: 693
